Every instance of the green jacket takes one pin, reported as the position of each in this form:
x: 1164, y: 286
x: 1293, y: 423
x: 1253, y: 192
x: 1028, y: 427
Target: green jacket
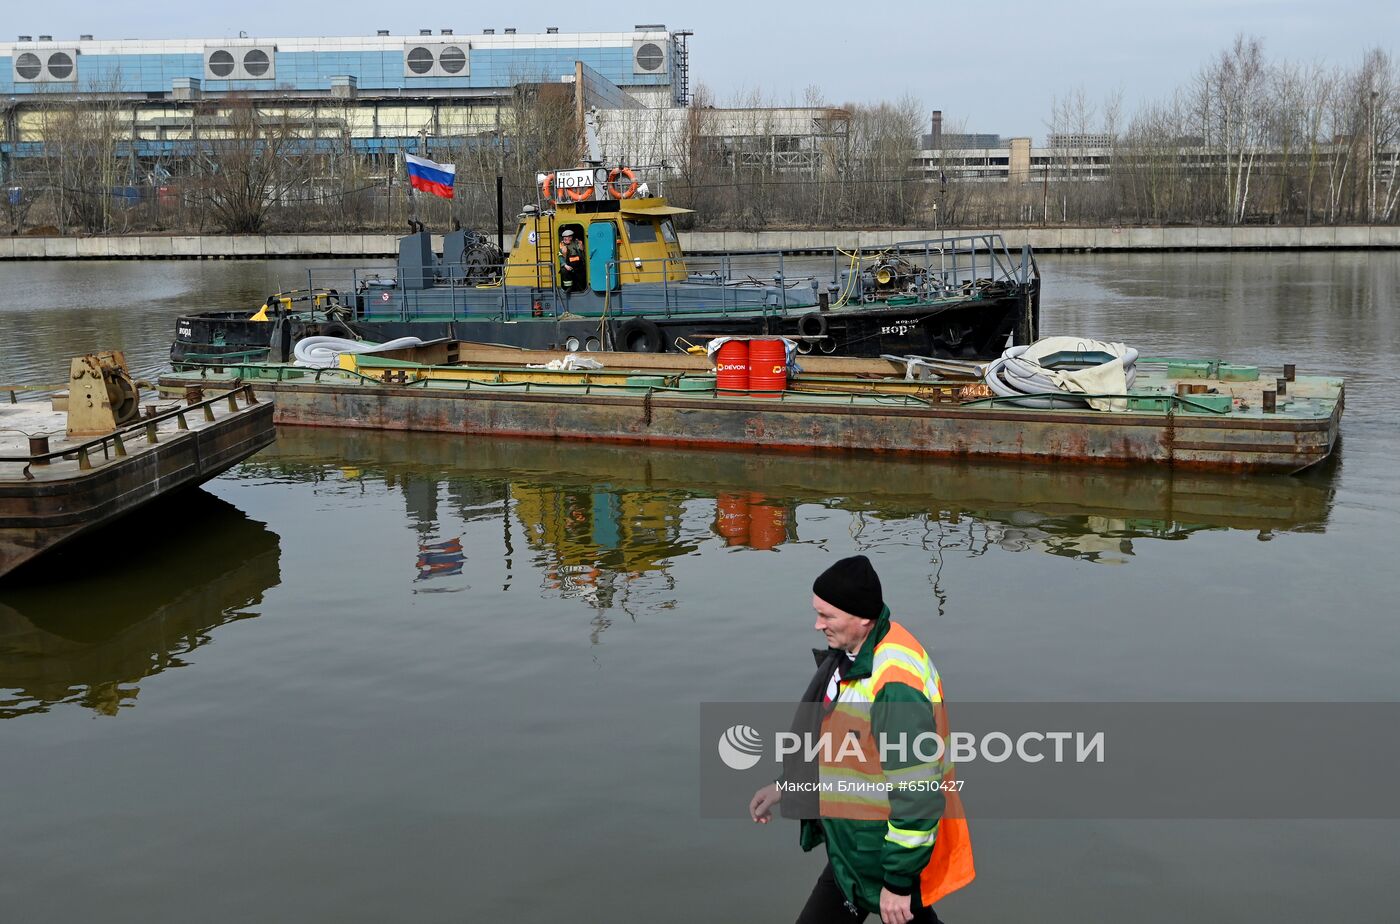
x: 868, y: 855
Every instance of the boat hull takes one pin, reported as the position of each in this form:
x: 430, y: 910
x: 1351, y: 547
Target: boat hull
x: 815, y: 423
x: 63, y: 501
x: 976, y: 328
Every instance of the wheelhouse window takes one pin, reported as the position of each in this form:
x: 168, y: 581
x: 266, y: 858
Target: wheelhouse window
x: 668, y: 232
x: 641, y: 232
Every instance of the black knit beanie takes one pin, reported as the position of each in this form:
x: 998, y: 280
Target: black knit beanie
x: 851, y: 585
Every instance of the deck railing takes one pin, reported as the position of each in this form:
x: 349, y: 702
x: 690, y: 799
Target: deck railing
x: 114, y: 444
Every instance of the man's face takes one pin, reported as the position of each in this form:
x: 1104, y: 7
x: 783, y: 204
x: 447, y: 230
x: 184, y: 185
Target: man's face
x: 842, y: 630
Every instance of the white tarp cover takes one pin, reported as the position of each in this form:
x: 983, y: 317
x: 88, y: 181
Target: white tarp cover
x: 1111, y: 378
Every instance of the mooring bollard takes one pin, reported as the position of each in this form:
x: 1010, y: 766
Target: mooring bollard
x: 1270, y: 401
x: 1282, y: 385
x: 39, y: 446
x: 1290, y: 371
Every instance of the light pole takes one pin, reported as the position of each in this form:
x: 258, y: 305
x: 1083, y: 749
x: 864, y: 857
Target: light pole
x: 1371, y: 163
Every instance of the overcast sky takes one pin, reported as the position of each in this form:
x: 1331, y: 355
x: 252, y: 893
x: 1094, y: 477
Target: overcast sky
x: 990, y: 66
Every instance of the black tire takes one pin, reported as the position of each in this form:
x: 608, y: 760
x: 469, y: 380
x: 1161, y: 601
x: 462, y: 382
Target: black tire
x: 337, y: 329
x: 812, y: 324
x: 639, y: 335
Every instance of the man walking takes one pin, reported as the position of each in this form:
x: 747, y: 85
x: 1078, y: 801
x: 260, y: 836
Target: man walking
x: 895, y: 835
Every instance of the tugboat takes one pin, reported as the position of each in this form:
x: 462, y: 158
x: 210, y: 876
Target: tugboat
x: 629, y: 287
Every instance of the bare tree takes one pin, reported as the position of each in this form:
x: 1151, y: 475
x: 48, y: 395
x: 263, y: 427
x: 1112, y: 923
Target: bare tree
x: 255, y: 160
x: 80, y: 162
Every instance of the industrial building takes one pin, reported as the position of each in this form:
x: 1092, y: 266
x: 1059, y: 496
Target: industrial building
x: 381, y: 92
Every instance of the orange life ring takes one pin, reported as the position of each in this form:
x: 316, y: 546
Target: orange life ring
x: 612, y: 183
x: 547, y: 187
x: 578, y: 195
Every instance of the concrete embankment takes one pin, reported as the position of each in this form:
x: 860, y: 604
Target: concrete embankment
x: 1044, y: 240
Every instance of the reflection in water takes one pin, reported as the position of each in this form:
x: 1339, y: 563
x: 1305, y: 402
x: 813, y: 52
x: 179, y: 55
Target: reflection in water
x: 440, y: 559
x: 603, y: 523
x: 88, y: 625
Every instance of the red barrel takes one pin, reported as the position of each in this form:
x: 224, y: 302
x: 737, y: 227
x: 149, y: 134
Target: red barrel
x: 732, y: 366
x: 767, y: 366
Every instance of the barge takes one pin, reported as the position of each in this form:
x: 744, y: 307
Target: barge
x: 102, y: 450
x: 1185, y: 414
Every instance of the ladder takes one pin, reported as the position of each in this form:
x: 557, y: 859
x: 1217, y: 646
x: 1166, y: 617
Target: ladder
x: 545, y: 255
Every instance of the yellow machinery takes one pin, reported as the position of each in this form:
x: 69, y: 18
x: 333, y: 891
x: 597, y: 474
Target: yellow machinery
x: 101, y: 394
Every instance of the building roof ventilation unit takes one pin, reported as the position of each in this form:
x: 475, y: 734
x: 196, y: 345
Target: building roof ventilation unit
x: 240, y: 62
x: 648, y: 57
x: 425, y: 31
x: 382, y: 32
x: 85, y: 38
x: 436, y: 59
x: 46, y: 38
x: 551, y: 30
x: 510, y: 30
x: 488, y: 31
x: 50, y: 65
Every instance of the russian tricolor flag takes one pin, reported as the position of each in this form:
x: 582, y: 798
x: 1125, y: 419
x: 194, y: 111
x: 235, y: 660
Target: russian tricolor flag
x: 430, y: 176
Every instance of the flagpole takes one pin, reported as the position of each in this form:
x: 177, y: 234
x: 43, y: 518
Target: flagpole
x: 412, y: 199
x: 422, y: 152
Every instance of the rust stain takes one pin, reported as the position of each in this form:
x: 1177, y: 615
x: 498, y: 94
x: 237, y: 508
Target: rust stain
x: 741, y: 423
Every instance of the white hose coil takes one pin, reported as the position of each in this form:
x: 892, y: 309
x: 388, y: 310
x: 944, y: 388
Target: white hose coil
x: 324, y: 352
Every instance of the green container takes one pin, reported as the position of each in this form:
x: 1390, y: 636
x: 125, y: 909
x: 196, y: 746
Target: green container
x: 646, y: 381
x: 1149, y: 402
x: 1229, y: 372
x: 1189, y: 369
x: 1200, y: 403
x: 696, y: 383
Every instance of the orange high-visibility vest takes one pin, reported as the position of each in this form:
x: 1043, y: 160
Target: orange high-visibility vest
x: 898, y: 658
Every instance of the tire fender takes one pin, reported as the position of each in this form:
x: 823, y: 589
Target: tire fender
x: 638, y: 335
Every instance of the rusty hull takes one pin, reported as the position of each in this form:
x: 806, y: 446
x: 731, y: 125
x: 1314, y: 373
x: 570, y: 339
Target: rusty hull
x: 1180, y: 440
x: 62, y: 501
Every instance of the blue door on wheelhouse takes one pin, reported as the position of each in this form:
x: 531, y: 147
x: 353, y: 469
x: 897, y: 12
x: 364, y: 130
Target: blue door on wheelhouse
x: 602, y: 256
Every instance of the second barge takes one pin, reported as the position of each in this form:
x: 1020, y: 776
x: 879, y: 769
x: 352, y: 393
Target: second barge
x: 102, y: 450
x: 1183, y: 414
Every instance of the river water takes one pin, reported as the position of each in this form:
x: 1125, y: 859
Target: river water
x: 369, y: 677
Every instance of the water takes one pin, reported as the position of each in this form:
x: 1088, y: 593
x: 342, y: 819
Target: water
x: 292, y: 697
